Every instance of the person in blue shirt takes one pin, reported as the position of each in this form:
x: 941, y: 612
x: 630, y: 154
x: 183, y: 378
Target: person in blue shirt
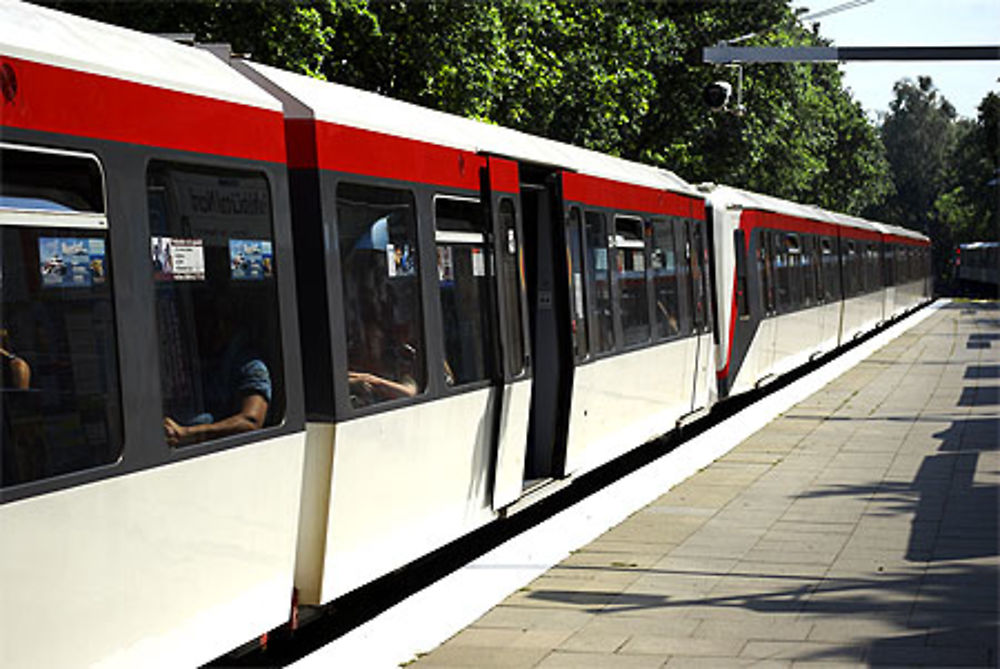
x: 236, y: 391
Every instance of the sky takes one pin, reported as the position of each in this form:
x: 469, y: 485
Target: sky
x: 915, y: 23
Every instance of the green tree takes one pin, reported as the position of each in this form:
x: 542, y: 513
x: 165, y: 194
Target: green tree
x: 968, y: 205
x: 621, y: 78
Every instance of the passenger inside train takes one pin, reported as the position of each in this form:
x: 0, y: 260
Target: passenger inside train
x: 16, y: 371
x: 381, y: 290
x: 235, y: 381
x: 211, y: 242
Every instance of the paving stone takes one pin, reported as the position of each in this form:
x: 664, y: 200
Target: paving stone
x: 860, y: 528
x: 659, y: 644
x: 487, y: 658
x: 560, y: 659
x: 692, y: 662
x: 803, y: 651
x: 590, y: 641
x: 786, y: 630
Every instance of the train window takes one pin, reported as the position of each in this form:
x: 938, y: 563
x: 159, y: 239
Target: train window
x: 664, y: 266
x: 830, y: 270
x: 463, y: 285
x: 817, y: 266
x: 888, y: 264
x: 699, y: 261
x: 510, y: 275
x: 383, y: 313
x: 796, y: 281
x: 765, y: 270
x: 47, y: 180
x: 575, y: 271
x: 874, y: 268
x: 602, y: 331
x: 850, y: 274
x: 808, y: 272
x: 630, y: 265
x: 59, y: 389
x: 212, y: 261
x: 740, y: 253
x: 781, y: 271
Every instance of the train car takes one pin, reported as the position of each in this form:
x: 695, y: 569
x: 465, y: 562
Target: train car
x: 143, y: 219
x: 977, y: 269
x: 906, y: 259
x: 486, y: 314
x: 198, y: 422
x: 794, y: 282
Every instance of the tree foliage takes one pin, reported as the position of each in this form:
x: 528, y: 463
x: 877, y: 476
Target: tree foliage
x: 621, y: 78
x: 944, y: 168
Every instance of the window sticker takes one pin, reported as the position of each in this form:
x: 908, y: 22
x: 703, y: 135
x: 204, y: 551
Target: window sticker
x: 638, y: 261
x: 478, y: 262
x: 600, y: 259
x: 251, y: 259
x: 399, y: 261
x: 71, y: 262
x: 178, y: 259
x: 446, y: 264
x: 578, y: 294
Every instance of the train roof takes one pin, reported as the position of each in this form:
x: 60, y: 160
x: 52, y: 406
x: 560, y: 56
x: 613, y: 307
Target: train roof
x: 344, y: 105
x: 729, y: 196
x: 737, y: 198
x: 50, y: 37
x: 972, y: 246
x: 900, y: 231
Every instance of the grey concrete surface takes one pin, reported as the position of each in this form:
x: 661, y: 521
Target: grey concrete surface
x: 860, y: 528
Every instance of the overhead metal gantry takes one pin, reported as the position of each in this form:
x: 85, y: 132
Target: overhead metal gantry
x: 724, y: 54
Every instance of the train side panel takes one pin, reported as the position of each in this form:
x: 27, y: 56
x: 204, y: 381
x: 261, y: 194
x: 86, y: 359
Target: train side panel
x: 165, y: 568
x: 140, y: 553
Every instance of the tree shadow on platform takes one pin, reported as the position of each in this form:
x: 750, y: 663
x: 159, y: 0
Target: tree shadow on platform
x: 944, y: 588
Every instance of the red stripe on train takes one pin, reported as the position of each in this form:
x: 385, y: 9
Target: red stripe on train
x: 341, y: 148
x: 59, y: 100
x: 600, y: 192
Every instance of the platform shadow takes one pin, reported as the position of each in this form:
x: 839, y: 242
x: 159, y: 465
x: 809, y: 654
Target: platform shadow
x: 944, y: 586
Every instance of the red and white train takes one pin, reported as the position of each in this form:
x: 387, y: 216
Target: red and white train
x: 264, y: 334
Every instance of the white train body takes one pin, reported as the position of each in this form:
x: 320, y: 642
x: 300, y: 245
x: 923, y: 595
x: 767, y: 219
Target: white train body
x: 418, y: 323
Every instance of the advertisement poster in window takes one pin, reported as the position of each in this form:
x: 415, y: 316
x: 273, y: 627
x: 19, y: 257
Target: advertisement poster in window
x: 71, y: 262
x: 446, y: 265
x: 399, y: 261
x: 251, y: 259
x: 478, y: 262
x: 177, y: 259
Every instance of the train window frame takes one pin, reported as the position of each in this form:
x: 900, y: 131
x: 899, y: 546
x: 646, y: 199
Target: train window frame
x: 604, y: 324
x: 701, y: 319
x: 852, y: 271
x: 783, y: 283
x: 808, y: 272
x: 765, y: 273
x: 488, y: 312
x: 740, y: 282
x: 575, y: 254
x: 509, y: 266
x: 418, y: 357
x: 95, y: 273
x: 663, y: 330
x: 796, y: 280
x: 621, y: 248
x: 27, y: 215
x: 251, y: 267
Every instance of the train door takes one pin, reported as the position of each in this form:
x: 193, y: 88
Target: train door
x: 546, y: 271
x: 697, y: 259
x: 512, y: 398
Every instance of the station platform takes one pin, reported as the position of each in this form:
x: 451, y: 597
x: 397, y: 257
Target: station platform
x: 858, y: 528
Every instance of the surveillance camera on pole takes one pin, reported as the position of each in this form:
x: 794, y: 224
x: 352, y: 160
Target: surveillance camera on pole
x: 717, y: 94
